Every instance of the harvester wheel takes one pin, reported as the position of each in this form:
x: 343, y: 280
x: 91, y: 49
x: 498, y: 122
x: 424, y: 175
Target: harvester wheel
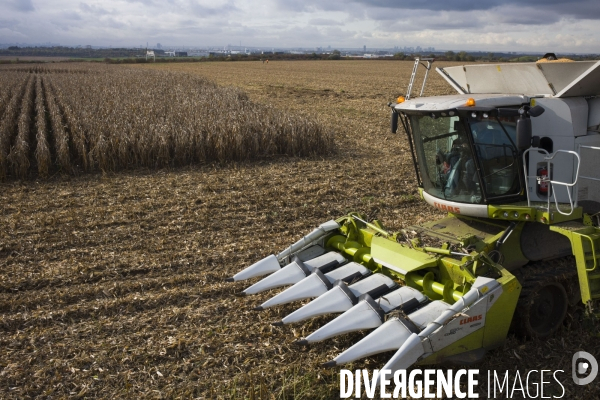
x: 544, y: 300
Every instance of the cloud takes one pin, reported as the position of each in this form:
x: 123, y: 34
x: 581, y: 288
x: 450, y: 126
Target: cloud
x: 536, y: 12
x: 72, y: 16
x: 493, y: 25
x: 325, y: 22
x: 432, y: 5
x: 309, y: 6
x: 21, y: 5
x: 145, y: 2
x: 93, y: 9
x: 8, y: 23
x: 11, y: 34
x: 557, y: 6
x: 205, y: 11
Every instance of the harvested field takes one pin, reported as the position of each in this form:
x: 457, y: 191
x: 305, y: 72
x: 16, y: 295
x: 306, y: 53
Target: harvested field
x: 111, y: 285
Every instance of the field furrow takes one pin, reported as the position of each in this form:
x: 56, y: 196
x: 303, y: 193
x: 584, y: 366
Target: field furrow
x: 60, y: 135
x: 78, y: 148
x: 65, y: 293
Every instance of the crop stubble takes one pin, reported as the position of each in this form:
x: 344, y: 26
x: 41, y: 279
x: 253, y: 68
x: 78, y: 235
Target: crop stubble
x: 112, y: 285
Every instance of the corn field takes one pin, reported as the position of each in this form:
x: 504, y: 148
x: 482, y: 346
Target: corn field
x: 75, y: 119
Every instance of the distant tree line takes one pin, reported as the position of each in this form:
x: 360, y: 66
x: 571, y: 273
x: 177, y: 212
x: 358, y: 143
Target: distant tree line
x: 227, y: 57
x: 123, y: 55
x: 62, y: 51
x: 127, y: 56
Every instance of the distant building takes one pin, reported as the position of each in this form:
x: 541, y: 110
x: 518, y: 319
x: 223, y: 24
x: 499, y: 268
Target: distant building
x: 198, y: 53
x: 176, y: 53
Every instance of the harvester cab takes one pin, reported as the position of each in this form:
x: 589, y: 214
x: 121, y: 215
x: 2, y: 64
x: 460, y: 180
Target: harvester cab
x: 513, y: 159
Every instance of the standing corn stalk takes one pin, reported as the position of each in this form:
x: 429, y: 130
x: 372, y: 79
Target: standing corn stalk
x: 8, y: 125
x: 110, y: 118
x: 18, y: 157
x: 9, y: 82
x: 42, y: 151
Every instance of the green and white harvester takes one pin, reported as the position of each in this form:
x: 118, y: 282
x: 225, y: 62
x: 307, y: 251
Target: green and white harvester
x: 514, y: 158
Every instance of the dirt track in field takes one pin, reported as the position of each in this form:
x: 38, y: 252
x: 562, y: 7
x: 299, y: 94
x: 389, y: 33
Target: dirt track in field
x: 112, y: 285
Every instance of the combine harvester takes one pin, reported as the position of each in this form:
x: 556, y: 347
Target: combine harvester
x: 514, y: 160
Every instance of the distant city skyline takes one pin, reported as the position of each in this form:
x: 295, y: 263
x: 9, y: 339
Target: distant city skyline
x: 494, y: 25
x: 235, y: 49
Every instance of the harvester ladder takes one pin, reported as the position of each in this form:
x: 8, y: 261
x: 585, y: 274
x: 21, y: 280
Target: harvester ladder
x: 586, y: 247
x: 585, y: 244
x: 414, y: 75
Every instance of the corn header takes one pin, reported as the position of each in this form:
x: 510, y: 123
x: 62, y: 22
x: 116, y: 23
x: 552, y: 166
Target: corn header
x: 513, y: 159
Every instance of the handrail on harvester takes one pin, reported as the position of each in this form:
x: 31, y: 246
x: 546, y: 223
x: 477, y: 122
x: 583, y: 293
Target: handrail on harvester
x: 414, y: 74
x: 569, y: 185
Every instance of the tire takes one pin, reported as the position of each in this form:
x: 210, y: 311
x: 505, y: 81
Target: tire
x: 545, y: 299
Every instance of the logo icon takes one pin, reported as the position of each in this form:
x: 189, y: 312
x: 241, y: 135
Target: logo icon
x: 583, y: 364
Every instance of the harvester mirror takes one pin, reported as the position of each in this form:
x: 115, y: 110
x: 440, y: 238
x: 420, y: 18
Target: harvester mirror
x: 524, y: 130
x: 523, y: 133
x: 394, y: 121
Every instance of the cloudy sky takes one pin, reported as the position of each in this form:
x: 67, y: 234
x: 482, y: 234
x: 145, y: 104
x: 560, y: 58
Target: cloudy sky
x: 487, y: 25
